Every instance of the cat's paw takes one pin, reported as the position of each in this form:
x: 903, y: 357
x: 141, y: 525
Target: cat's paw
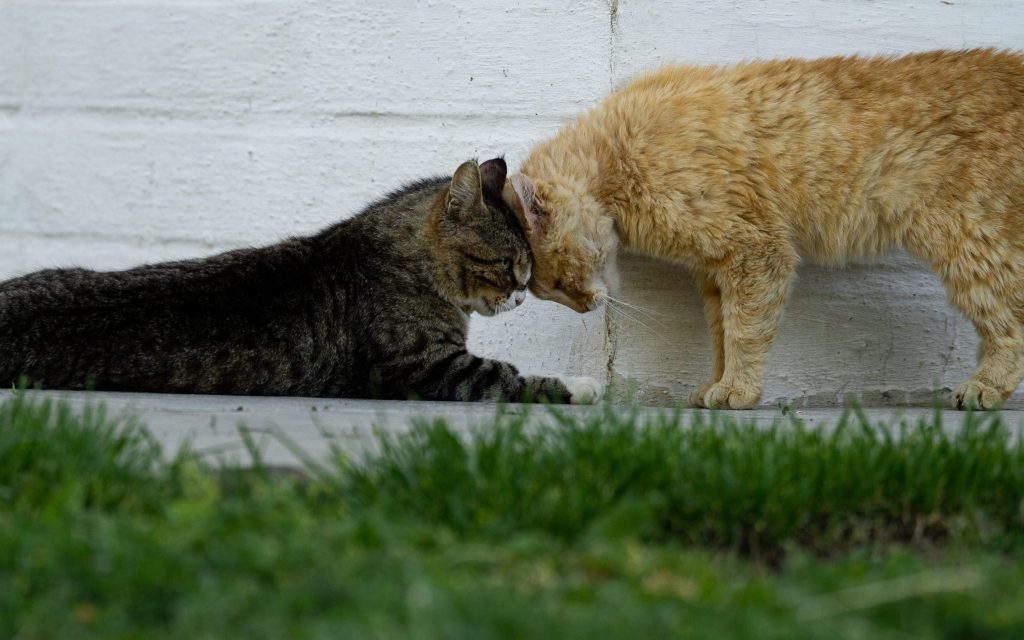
x: 977, y: 395
x: 582, y: 389
x: 697, y: 396
x: 722, y: 395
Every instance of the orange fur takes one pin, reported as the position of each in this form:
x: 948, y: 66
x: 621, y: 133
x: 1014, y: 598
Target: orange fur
x: 740, y: 172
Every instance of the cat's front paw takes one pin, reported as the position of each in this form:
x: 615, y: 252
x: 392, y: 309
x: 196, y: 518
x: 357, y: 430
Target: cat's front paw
x: 977, y: 395
x: 582, y: 389
x: 722, y: 395
x: 697, y: 397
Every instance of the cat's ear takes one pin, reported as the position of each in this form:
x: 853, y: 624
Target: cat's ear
x: 465, y: 192
x: 492, y: 175
x: 521, y: 194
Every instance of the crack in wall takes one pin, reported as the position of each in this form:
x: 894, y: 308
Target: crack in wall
x: 613, y: 24
x: 609, y: 329
x: 610, y: 343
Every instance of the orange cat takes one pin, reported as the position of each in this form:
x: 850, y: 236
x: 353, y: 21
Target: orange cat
x: 740, y: 172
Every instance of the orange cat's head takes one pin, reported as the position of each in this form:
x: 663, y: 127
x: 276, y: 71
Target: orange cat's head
x: 573, y: 244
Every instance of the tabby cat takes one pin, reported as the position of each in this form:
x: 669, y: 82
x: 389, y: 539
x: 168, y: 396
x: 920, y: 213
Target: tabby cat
x: 374, y: 307
x: 740, y: 172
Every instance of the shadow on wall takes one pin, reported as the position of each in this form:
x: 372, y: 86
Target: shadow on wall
x: 880, y: 334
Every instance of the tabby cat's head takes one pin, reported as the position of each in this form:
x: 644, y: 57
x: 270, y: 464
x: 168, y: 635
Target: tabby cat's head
x: 484, y: 260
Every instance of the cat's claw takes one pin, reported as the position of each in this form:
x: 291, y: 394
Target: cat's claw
x: 976, y: 395
x: 721, y: 395
x: 583, y: 389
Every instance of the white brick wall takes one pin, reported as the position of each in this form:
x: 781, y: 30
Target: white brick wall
x: 134, y: 130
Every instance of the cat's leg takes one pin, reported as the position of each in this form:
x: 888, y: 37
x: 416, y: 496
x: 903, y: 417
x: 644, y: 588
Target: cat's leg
x: 979, y: 293
x: 754, y: 285
x: 712, y: 298
x: 460, y: 375
x: 1000, y: 362
x: 983, y: 272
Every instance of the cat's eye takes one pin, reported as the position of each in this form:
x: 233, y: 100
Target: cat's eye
x: 507, y: 263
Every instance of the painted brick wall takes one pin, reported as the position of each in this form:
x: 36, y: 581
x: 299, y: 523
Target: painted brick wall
x: 134, y: 130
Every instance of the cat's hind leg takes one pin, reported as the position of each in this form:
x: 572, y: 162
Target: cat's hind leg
x: 984, y: 287
x: 999, y: 368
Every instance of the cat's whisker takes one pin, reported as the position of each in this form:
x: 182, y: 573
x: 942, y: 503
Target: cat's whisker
x: 626, y: 316
x: 616, y: 313
x: 612, y: 302
x: 647, y: 313
x: 632, y: 313
x: 652, y: 312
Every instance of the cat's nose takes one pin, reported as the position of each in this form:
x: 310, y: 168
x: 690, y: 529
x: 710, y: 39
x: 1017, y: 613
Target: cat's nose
x: 520, y: 296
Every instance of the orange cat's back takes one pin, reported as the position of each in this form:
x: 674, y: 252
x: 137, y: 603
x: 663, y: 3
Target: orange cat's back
x: 851, y: 153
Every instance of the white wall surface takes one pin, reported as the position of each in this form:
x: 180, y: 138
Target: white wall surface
x: 142, y: 130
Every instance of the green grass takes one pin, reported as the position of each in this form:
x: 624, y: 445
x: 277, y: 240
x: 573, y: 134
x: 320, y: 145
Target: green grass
x: 609, y: 527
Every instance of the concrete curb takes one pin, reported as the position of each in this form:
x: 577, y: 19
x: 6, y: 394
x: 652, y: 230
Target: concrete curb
x: 316, y: 426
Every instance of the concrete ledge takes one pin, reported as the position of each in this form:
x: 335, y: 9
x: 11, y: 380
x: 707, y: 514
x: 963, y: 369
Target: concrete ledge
x: 211, y: 424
